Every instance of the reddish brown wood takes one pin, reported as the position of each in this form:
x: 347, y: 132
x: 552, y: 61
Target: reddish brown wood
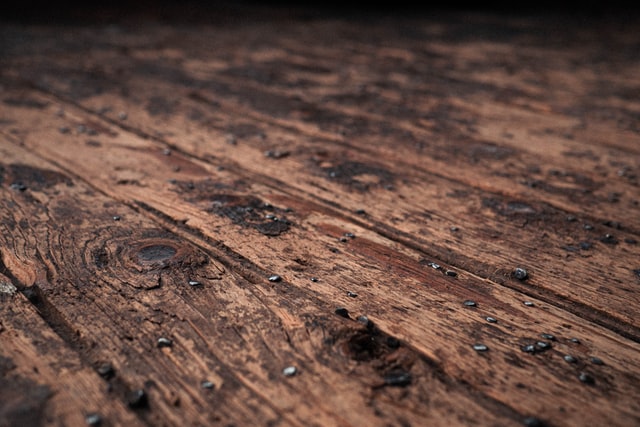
x: 411, y: 167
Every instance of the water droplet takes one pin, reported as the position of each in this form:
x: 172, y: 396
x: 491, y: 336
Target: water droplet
x: 314, y: 279
x: 365, y: 321
x: 434, y: 266
x: 451, y: 273
x: 533, y: 422
x: 116, y: 218
x: 571, y: 218
x: 470, y: 303
x: 548, y: 337
x: 480, y: 347
x: 588, y: 227
x: 275, y: 278
x: 164, y: 342
x: 137, y: 399
x: 194, y: 283
x: 597, y: 361
x: 352, y: 294
x: 529, y: 304
x: 18, y: 186
x: 543, y: 345
x: 93, y: 420
x: 586, y: 378
x: 106, y: 371
x: 350, y: 235
x: 569, y: 359
x: 575, y: 340
x: 454, y: 229
x: 289, y: 371
x: 520, y: 273
x: 343, y: 312
x: 529, y: 348
x: 398, y: 379
x: 491, y: 319
x: 207, y: 384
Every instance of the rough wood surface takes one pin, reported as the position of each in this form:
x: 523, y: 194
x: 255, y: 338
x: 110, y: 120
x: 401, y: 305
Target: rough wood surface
x: 153, y: 179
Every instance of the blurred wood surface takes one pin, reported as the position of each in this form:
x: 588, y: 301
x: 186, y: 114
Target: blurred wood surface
x: 295, y: 218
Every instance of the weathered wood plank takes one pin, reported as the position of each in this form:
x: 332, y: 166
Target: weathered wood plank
x: 320, y: 91
x: 423, y: 307
x: 421, y: 209
x: 116, y: 286
x: 43, y: 382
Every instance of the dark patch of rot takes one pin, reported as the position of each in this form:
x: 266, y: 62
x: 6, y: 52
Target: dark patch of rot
x: 24, y: 176
x: 385, y: 354
x: 249, y: 211
x: 357, y: 175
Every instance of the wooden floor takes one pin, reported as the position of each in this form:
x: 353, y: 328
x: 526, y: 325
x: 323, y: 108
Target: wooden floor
x: 295, y: 219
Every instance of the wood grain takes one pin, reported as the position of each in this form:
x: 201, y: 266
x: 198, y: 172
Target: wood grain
x: 154, y: 179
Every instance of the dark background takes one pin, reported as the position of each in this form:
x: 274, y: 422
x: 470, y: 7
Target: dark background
x: 102, y: 11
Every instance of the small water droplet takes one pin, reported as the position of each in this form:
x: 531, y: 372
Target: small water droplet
x: 207, y: 384
x: 533, y: 422
x: 398, y: 379
x: 543, y: 345
x: 350, y: 235
x: 451, y: 273
x: 352, y: 294
x: 529, y: 348
x: 314, y: 279
x: 116, y: 218
x: 480, y: 347
x: 137, y: 399
x: 343, y: 312
x: 575, y: 340
x: 164, y: 342
x: 434, y: 266
x: 194, y: 283
x: 569, y: 359
x: 520, y: 273
x: 454, y: 229
x: 597, y: 361
x: 491, y: 319
x: 470, y: 303
x: 548, y: 337
x: 289, y: 371
x: 275, y: 278
x: 586, y: 378
x: 93, y: 420
x: 529, y: 303
x: 18, y: 186
x: 106, y: 371
x: 365, y: 321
